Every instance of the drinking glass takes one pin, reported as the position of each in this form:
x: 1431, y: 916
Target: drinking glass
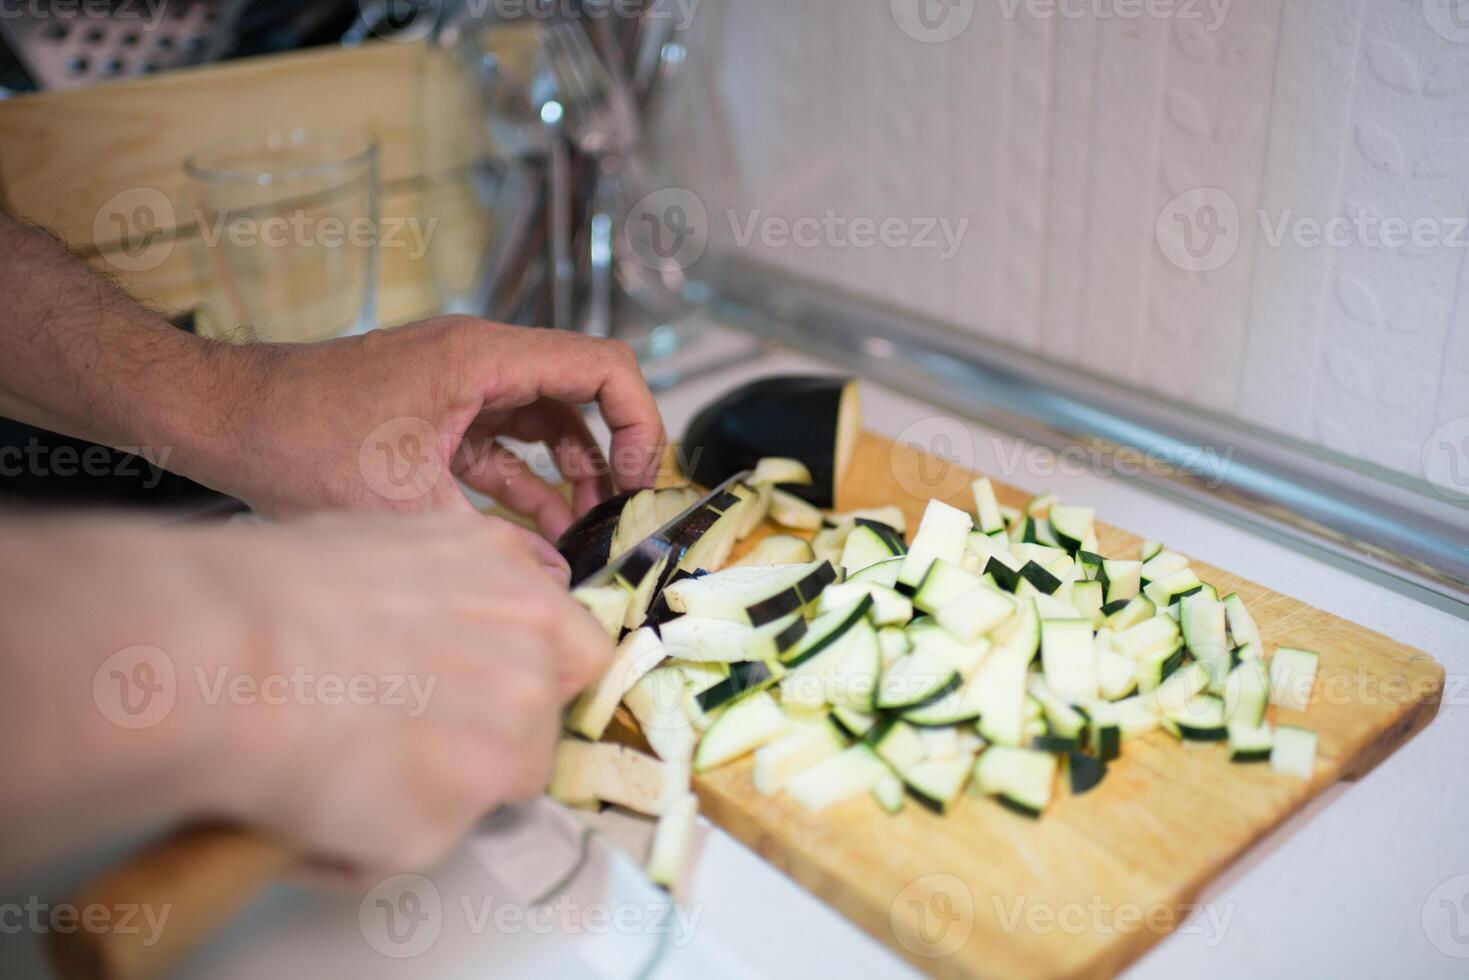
x: 288, y: 225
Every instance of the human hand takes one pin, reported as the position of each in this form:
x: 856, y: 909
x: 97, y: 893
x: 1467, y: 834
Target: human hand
x: 489, y: 647
x: 364, y: 686
x: 387, y: 420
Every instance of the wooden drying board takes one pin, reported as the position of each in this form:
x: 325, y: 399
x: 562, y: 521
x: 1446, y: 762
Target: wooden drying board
x: 1170, y: 816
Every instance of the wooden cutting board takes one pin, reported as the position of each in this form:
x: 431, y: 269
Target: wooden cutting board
x: 1086, y: 889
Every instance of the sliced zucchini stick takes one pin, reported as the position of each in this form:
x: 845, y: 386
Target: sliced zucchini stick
x: 701, y: 639
x: 788, y: 510
x: 1250, y: 743
x: 798, y: 750
x: 1242, y: 629
x: 668, y: 857
x: 780, y: 470
x: 1294, y: 751
x: 869, y: 543
x: 1292, y: 673
x: 778, y: 549
x: 888, y: 791
x: 988, y: 518
x: 846, y: 776
x: 1023, y: 779
x: 743, y: 728
x: 637, y: 654
x: 658, y: 703
x: 607, y: 604
x: 753, y: 595
x: 941, y: 534
x: 588, y: 772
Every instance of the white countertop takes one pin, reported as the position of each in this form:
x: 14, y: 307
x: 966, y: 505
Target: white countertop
x: 1350, y: 887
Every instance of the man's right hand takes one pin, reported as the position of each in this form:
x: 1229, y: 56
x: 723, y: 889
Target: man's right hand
x: 468, y: 618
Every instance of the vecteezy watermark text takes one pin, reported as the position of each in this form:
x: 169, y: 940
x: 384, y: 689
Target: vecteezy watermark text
x: 1100, y: 917
x: 1211, y: 13
x: 149, y: 12
x: 1363, y: 229
x: 301, y: 230
x: 1202, y: 229
x: 403, y: 916
x: 832, y: 230
x: 934, y: 457
x: 400, y: 460
x: 406, y: 21
x: 937, y: 21
x: 300, y: 686
x: 139, y: 227
x: 37, y: 459
x: 1207, y: 463
x: 137, y: 688
x: 670, y: 229
x: 124, y: 918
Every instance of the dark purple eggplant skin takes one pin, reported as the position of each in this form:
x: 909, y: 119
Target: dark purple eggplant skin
x: 586, y: 544
x: 793, y: 416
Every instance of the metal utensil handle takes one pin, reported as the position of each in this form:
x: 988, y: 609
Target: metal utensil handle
x: 558, y: 211
x: 200, y: 878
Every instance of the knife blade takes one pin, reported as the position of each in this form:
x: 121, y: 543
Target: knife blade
x: 646, y: 554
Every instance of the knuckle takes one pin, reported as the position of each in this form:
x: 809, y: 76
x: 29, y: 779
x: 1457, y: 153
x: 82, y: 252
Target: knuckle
x: 620, y: 351
x: 506, y: 539
x: 465, y: 335
x: 454, y: 329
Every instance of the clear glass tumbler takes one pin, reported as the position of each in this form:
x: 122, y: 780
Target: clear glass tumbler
x: 288, y: 225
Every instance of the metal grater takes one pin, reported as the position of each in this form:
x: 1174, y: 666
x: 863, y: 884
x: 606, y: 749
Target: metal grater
x: 73, y: 45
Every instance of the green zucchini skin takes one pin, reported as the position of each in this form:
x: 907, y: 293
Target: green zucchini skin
x: 1015, y: 806
x: 1086, y: 772
x: 1039, y: 577
x: 744, y: 678
x: 1058, y: 744
x: 1005, y: 576
x: 794, y: 416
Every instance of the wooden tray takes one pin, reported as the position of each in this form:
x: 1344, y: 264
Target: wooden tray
x: 1085, y: 890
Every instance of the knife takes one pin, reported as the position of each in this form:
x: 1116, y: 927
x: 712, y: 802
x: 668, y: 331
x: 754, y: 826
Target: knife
x: 634, y: 563
x: 206, y: 875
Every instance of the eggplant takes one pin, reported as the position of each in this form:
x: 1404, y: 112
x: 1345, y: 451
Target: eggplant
x: 815, y: 419
x: 612, y: 527
x: 586, y: 544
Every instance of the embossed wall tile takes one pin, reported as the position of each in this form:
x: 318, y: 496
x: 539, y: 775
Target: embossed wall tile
x: 1309, y: 136
x: 1061, y: 139
x: 1120, y: 238
x: 1402, y: 169
x: 1026, y: 135
x: 976, y: 115
x: 1069, y: 191
x: 1213, y: 130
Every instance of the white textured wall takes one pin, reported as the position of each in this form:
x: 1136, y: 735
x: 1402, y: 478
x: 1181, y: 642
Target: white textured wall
x: 1063, y: 138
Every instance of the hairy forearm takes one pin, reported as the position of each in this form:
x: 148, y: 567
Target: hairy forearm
x: 81, y: 357
x: 104, y: 731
